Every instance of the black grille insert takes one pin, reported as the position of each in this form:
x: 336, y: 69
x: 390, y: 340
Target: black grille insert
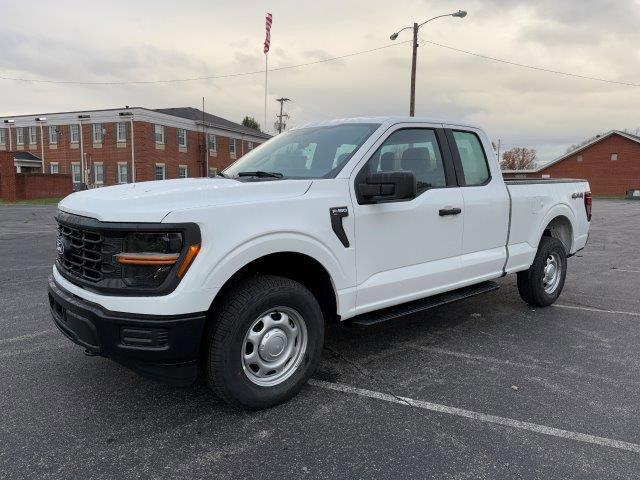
x: 82, y: 256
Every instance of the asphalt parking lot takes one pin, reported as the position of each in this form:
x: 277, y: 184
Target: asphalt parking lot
x: 485, y: 388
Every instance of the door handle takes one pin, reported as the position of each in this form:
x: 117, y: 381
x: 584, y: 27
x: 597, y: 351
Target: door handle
x: 449, y: 211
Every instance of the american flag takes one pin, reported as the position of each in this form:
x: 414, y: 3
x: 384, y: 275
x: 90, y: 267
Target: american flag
x: 267, y: 39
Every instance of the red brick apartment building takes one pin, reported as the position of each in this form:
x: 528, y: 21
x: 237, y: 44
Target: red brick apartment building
x: 108, y: 147
x: 610, y: 162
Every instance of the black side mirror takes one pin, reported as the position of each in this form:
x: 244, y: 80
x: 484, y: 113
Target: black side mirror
x: 387, y: 187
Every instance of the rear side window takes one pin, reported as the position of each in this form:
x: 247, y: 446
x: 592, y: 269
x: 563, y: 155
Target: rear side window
x: 472, y: 158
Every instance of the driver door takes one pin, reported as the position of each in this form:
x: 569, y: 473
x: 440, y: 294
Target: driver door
x: 408, y: 249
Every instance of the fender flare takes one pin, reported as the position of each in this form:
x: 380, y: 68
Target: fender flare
x: 271, y: 243
x: 559, y: 210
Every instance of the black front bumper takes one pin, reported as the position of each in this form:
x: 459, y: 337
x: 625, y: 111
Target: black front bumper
x: 162, y: 347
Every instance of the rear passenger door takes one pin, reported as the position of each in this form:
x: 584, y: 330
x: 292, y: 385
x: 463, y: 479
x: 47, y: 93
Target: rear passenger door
x: 486, y: 204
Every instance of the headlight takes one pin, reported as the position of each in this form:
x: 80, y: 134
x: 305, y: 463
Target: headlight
x: 148, y: 258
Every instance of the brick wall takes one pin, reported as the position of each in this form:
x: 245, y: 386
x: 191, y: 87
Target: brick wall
x: 27, y: 186
x: 605, y: 176
x: 42, y: 185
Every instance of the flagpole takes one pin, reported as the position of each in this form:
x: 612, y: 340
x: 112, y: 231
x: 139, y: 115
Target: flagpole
x: 266, y: 70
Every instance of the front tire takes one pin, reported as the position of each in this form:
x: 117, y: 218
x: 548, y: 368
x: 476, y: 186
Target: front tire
x: 542, y: 283
x: 265, y: 344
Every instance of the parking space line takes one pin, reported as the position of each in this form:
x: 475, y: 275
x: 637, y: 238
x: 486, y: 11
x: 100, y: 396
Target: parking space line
x: 482, y: 417
x: 599, y: 310
x: 28, y: 336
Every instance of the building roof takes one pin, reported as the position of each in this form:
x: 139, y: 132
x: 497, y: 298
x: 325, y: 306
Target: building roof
x: 197, y: 115
x: 26, y: 156
x: 600, y: 138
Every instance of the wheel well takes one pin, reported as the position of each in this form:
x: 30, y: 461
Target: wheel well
x: 560, y: 228
x: 296, y: 266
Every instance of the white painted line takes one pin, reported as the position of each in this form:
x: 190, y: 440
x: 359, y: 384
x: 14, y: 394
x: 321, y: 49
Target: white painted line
x: 599, y: 310
x: 28, y: 336
x: 625, y: 270
x: 35, y: 232
x: 482, y: 417
x: 48, y: 265
x: 40, y: 348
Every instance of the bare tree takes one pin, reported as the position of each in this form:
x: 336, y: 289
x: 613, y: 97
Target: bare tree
x: 518, y: 158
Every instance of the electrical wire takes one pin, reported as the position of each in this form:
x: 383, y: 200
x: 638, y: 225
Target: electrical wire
x: 316, y: 62
x: 195, y: 79
x: 531, y: 67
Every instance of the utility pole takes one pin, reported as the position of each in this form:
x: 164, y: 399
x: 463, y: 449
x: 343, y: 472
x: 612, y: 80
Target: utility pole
x: 416, y: 27
x: 281, y: 100
x: 412, y: 101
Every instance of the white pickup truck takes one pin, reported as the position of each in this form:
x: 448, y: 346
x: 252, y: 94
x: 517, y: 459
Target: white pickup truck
x: 358, y: 220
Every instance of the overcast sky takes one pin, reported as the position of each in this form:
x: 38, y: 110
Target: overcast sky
x: 150, y: 40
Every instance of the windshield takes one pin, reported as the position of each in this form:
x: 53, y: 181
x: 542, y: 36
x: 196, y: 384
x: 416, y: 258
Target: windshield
x: 314, y: 152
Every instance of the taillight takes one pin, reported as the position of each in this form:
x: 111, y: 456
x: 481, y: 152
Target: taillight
x: 587, y: 204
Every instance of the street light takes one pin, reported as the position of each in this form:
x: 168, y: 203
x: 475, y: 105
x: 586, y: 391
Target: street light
x: 416, y: 27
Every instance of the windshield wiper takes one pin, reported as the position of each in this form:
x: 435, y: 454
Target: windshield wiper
x: 260, y: 174
x: 220, y: 174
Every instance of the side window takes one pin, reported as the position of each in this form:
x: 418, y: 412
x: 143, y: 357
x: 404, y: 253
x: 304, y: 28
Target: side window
x: 413, y: 149
x: 472, y: 158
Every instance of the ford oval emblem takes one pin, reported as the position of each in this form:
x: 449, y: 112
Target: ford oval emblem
x: 59, y: 246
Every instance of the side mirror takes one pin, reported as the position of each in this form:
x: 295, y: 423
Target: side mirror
x: 387, y: 187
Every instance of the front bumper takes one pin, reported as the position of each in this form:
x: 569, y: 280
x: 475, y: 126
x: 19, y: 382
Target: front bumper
x: 162, y: 347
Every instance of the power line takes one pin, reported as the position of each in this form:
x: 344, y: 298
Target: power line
x: 316, y: 62
x: 532, y: 67
x: 195, y: 79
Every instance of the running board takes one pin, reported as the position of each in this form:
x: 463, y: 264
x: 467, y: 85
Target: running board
x: 379, y: 316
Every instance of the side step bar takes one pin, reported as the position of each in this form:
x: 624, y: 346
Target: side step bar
x: 379, y: 316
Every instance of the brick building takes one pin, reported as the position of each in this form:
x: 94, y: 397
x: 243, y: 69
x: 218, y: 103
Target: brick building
x: 107, y: 147
x: 610, y: 162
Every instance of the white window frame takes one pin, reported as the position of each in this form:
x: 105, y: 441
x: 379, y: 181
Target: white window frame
x: 74, y: 131
x: 3, y: 136
x: 213, y: 146
x: 164, y: 171
x: 54, y: 166
x: 232, y: 141
x: 96, y: 133
x: 121, y: 136
x: 186, y: 171
x: 184, y: 132
x: 53, y: 134
x: 33, y: 136
x: 579, y: 158
x: 76, y: 169
x: 95, y: 173
x: 546, y: 175
x: 614, y: 157
x: 126, y: 172
x: 19, y: 136
x: 156, y: 133
x: 249, y: 146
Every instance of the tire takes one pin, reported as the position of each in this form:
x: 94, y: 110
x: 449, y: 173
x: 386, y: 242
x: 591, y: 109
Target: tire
x: 259, y: 318
x: 537, y: 289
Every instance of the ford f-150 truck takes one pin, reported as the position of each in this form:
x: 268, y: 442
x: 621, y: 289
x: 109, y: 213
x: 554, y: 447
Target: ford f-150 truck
x: 359, y: 220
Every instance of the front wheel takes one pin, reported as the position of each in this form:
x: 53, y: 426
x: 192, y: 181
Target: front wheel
x: 542, y: 284
x: 266, y: 342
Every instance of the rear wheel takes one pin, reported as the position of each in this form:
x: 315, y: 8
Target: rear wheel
x: 266, y: 342
x: 542, y: 283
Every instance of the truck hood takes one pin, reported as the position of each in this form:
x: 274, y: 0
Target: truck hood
x: 152, y: 201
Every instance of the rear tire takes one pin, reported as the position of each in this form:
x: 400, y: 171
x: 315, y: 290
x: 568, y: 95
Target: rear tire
x: 265, y: 344
x: 542, y: 283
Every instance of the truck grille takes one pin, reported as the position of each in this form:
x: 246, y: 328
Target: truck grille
x: 84, y: 258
